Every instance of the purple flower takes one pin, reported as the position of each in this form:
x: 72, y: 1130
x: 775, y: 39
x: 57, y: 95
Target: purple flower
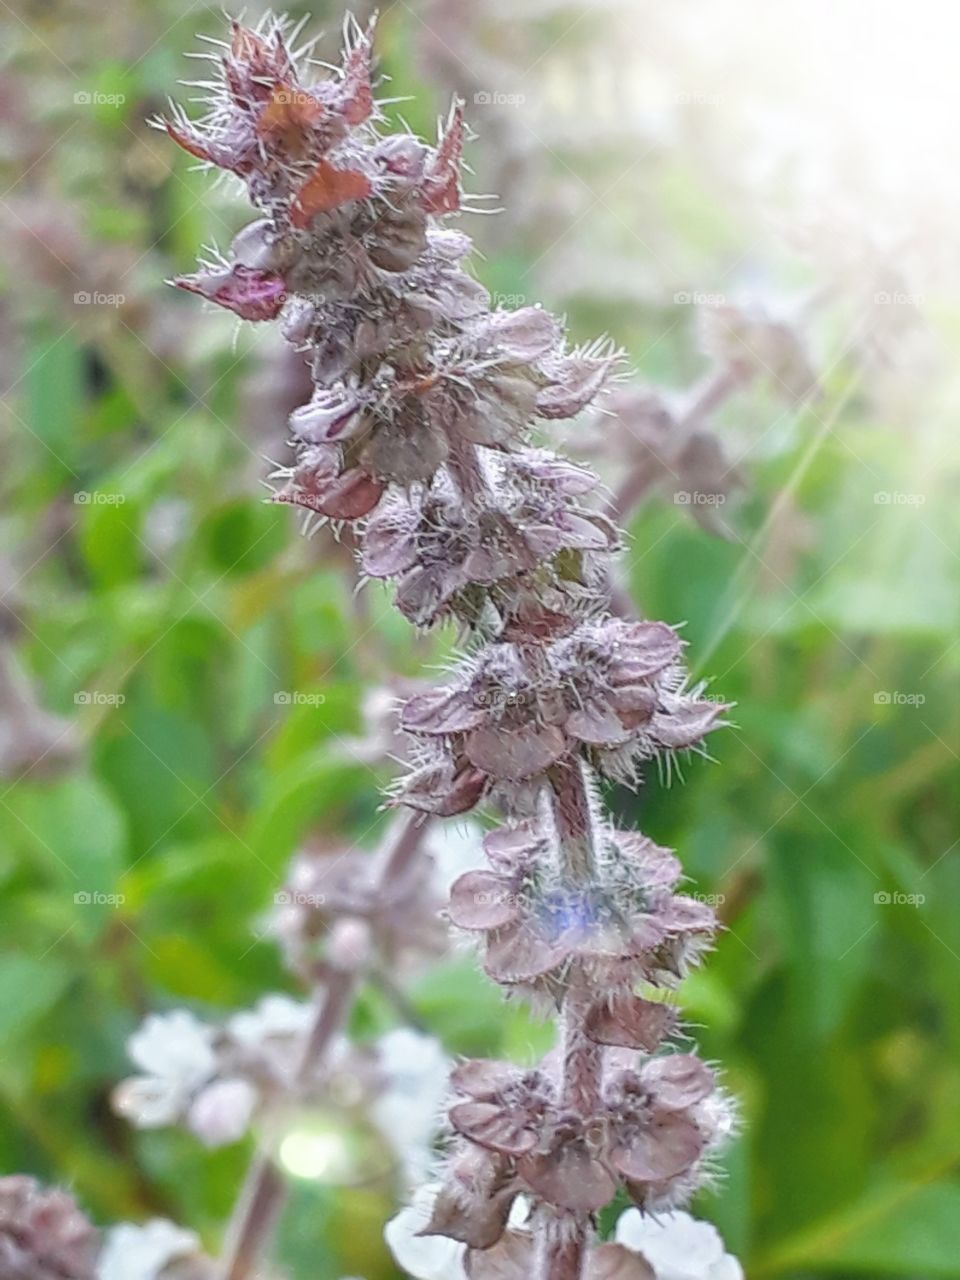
x: 43, y: 1234
x: 529, y: 538
x: 251, y: 294
x: 627, y: 925
x: 647, y: 1132
x: 320, y: 485
x: 419, y: 426
x: 611, y: 689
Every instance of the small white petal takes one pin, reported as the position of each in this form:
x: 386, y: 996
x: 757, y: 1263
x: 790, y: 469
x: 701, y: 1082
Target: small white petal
x: 150, y: 1102
x: 221, y: 1112
x: 728, y: 1268
x: 677, y: 1246
x: 417, y: 1072
x: 174, y: 1046
x: 274, y: 1015
x: 142, y: 1253
x: 455, y: 847
x: 423, y: 1257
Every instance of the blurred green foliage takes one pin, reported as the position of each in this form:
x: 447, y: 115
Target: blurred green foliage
x: 189, y: 604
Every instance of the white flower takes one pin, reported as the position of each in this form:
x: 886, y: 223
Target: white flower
x: 175, y: 1052
x: 434, y: 1257
x: 221, y: 1112
x: 174, y: 1044
x: 423, y: 1257
x: 149, y: 1102
x: 417, y: 1071
x: 142, y: 1253
x: 273, y: 1016
x: 455, y: 847
x: 677, y: 1246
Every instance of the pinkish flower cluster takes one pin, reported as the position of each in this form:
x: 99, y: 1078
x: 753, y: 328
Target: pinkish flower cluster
x: 336, y: 912
x: 43, y: 1234
x: 609, y: 691
x: 421, y: 428
x: 649, y: 1131
x: 525, y: 541
x: 623, y: 927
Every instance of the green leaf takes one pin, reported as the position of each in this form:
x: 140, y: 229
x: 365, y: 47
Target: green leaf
x: 108, y: 535
x: 79, y: 836
x: 243, y: 536
x: 31, y: 987
x: 313, y: 787
x: 910, y: 1229
x: 827, y: 918
x: 53, y: 379
x: 162, y: 767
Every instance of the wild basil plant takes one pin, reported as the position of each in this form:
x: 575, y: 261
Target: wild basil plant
x: 426, y: 430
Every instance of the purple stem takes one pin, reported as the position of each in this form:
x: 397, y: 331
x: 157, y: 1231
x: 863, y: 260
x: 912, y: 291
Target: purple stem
x: 264, y: 1190
x: 716, y: 387
x: 563, y: 1238
x: 710, y: 393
